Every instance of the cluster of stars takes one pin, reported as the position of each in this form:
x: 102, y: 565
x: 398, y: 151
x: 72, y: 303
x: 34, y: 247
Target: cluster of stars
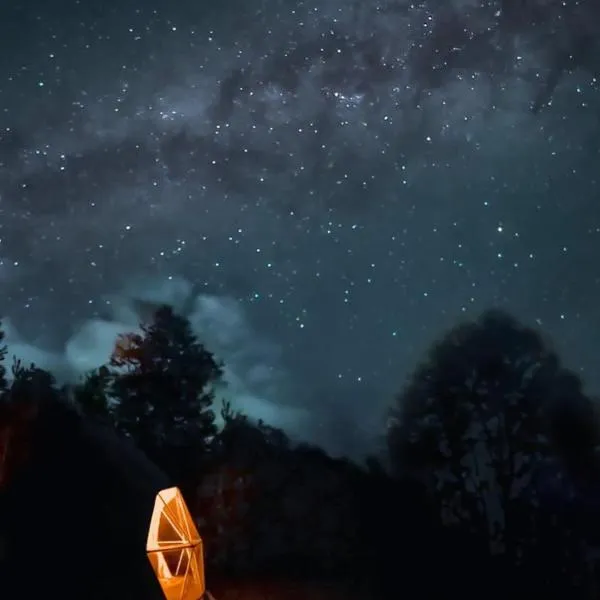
x: 300, y: 175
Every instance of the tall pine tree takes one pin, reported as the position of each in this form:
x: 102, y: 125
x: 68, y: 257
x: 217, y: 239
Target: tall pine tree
x: 164, y: 391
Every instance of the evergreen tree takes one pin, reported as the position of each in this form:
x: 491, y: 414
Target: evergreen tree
x: 92, y: 395
x: 163, y: 388
x: 242, y: 442
x: 31, y: 392
x: 471, y: 423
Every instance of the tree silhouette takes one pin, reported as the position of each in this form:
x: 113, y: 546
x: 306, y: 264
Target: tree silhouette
x: 244, y: 443
x: 92, y: 395
x: 162, y: 387
x: 31, y: 391
x: 31, y: 384
x: 573, y: 424
x: 3, y: 352
x: 568, y: 518
x: 471, y: 423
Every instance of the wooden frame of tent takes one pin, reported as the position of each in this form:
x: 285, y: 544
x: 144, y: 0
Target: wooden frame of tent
x: 174, y: 548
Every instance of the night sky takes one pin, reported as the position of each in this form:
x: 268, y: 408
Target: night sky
x: 324, y: 187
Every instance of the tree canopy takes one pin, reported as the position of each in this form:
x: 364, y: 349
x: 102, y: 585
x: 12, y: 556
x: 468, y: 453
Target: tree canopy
x: 479, y: 414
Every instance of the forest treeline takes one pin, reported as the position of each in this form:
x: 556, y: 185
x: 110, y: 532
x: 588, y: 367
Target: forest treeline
x: 489, y: 484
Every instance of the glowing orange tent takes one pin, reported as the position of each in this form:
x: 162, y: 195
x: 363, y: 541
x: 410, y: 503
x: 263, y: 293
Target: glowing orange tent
x: 174, y: 548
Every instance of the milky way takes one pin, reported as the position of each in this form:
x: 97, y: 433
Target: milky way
x: 355, y: 177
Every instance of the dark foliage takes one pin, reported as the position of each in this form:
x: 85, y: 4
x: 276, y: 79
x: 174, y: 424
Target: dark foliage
x: 492, y: 425
x: 159, y: 391
x: 494, y: 486
x: 92, y: 395
x: 164, y: 385
x: 3, y: 382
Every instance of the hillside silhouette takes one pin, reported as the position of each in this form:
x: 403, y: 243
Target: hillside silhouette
x: 489, y: 484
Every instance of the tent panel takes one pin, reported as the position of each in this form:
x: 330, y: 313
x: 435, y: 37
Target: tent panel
x: 171, y: 530
x: 185, y: 518
x: 180, y: 575
x: 172, y: 508
x: 164, y: 526
x: 197, y: 570
x: 194, y: 586
x: 168, y: 495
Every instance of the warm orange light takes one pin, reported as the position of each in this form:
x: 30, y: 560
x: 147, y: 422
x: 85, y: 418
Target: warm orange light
x: 127, y: 348
x: 174, y: 548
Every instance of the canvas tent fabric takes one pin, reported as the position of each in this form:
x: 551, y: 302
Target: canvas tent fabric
x: 174, y: 548
x: 82, y: 507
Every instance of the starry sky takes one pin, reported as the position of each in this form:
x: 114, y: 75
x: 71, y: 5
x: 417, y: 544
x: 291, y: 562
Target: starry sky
x: 326, y: 185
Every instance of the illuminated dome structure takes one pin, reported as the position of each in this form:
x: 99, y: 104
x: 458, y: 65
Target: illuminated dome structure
x: 174, y: 548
